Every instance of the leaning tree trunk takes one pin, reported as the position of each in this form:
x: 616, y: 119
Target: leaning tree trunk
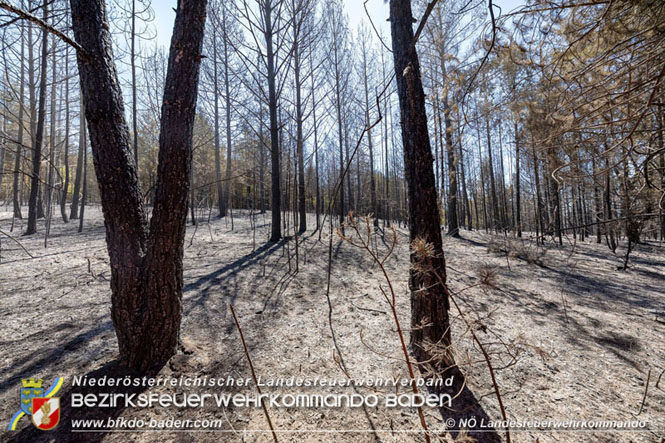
x: 146, y: 265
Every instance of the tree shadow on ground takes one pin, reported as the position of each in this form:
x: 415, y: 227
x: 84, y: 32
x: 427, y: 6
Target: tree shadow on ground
x: 466, y: 415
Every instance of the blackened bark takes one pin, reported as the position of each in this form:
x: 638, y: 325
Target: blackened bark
x: 539, y: 202
x: 227, y: 100
x: 34, y: 202
x: 19, y: 147
x: 372, y: 182
x: 429, y: 302
x: 494, y: 215
x: 218, y: 165
x: 276, y: 207
x: 74, y: 214
x: 302, y: 222
x: 554, y: 195
x: 429, y: 299
x: 518, y: 203
x: 65, y: 187
x: 146, y: 271
x: 316, y: 144
x: 453, y: 221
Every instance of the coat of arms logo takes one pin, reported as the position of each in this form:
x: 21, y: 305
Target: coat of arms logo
x: 41, y: 405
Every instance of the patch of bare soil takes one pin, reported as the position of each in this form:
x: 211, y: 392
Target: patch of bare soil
x: 583, y: 335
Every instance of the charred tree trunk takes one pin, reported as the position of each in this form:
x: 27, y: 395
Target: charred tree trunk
x: 494, y: 215
x: 453, y: 221
x: 19, y: 146
x: 429, y: 297
x: 146, y: 265
x: 428, y: 306
x: 65, y: 186
x: 74, y: 214
x: 226, y: 189
x: 35, y: 185
x: 316, y: 144
x: 518, y: 198
x: 276, y: 231
x: 302, y: 222
x: 539, y: 202
x: 218, y: 165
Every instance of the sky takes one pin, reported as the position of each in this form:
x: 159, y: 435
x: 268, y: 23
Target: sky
x: 378, y: 10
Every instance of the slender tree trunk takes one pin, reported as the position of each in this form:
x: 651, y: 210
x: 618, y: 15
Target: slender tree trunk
x: 539, y: 201
x: 348, y: 176
x: 276, y: 232
x: 65, y: 187
x: 302, y: 223
x: 52, y: 137
x: 218, y: 166
x: 554, y: 195
x: 84, y: 184
x: 338, y: 107
x: 33, y: 212
x: 465, y: 195
x: 19, y: 147
x: 494, y: 218
x: 453, y: 221
x: 482, y: 176
x: 132, y: 59
x: 316, y: 143
x: 372, y: 182
x: 74, y: 214
x: 227, y: 100
x: 518, y: 203
x: 262, y: 162
x: 386, y: 220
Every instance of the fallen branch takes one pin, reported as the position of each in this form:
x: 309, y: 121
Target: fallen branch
x: 17, y: 242
x: 646, y: 388
x: 251, y: 367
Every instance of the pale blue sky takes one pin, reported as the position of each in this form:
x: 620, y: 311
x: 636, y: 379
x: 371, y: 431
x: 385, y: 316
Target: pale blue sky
x: 378, y: 10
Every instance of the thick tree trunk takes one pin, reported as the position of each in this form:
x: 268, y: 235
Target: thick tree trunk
x: 146, y: 270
